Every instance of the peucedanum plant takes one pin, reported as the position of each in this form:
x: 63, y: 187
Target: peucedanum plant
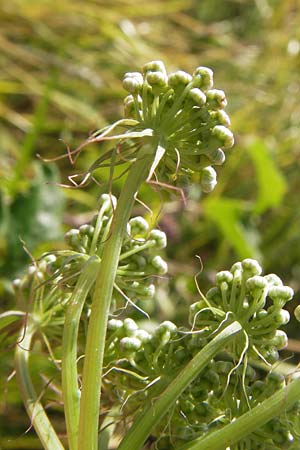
x: 212, y: 385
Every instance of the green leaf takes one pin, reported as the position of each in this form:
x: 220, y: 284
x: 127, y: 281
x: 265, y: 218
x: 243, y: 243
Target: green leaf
x: 270, y: 181
x: 35, y: 216
x: 227, y: 214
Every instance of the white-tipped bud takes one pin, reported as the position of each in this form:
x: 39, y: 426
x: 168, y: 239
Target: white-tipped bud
x: 160, y: 265
x: 138, y: 226
x: 216, y: 156
x: 216, y: 98
x: 280, y: 340
x: 167, y: 326
x: 251, y: 266
x: 282, y: 317
x: 256, y: 283
x: 129, y: 106
x: 224, y: 135
x: 179, y: 79
x: 129, y: 326
x: 133, y: 82
x: 143, y: 336
x: 224, y: 275
x: 114, y: 324
x: 130, y: 344
x: 86, y: 230
x: 203, y: 78
x: 147, y: 292
x: 72, y: 237
x: 197, y: 96
x: 221, y: 117
x: 157, y: 79
x: 154, y: 66
x: 236, y: 266
x: 273, y: 279
x: 159, y: 238
x: 284, y: 293
x: 109, y: 200
x: 208, y: 179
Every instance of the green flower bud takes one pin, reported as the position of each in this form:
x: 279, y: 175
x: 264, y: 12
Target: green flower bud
x: 236, y: 266
x: 129, y: 106
x: 114, y: 324
x: 17, y: 284
x: 216, y: 98
x: 186, y: 406
x: 256, y: 283
x: 110, y: 201
x: 139, y: 261
x: 224, y: 135
x: 280, y: 341
x: 133, y: 82
x: 297, y: 313
x: 224, y: 275
x: 216, y: 156
x: 208, y: 179
x: 86, y: 230
x: 138, y: 226
x: 130, y: 327
x: 214, y: 295
x: 181, y: 355
x: 203, y: 78
x: 143, y: 336
x: 154, y: 66
x: 146, y: 292
x: 72, y: 238
x: 160, y: 265
x: 271, y: 355
x: 197, y: 96
x: 282, y: 317
x: 130, y: 344
x: 157, y: 80
x: 204, y: 409
x: 159, y: 238
x: 261, y: 314
x: 281, y: 293
x: 251, y: 266
x: 167, y: 326
x: 179, y: 79
x: 220, y: 117
x: 223, y: 367
x: 273, y: 279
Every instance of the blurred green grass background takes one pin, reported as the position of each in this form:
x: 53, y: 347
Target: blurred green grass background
x: 61, y: 66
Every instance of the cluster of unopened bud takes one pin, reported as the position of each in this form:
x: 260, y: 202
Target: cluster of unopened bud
x: 256, y: 301
x: 186, y: 112
x: 139, y: 260
x: 47, y: 299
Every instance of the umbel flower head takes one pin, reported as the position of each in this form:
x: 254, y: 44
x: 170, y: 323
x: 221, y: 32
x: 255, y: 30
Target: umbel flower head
x: 186, y: 115
x: 256, y: 301
x: 182, y: 118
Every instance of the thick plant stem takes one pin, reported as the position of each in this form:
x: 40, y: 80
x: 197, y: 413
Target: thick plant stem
x: 34, y: 408
x: 91, y: 382
x: 70, y: 386
x: 250, y: 421
x: 155, y: 409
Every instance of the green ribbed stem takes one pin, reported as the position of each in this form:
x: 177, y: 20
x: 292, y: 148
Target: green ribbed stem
x: 93, y: 362
x: 34, y: 408
x: 154, y: 411
x: 71, y: 392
